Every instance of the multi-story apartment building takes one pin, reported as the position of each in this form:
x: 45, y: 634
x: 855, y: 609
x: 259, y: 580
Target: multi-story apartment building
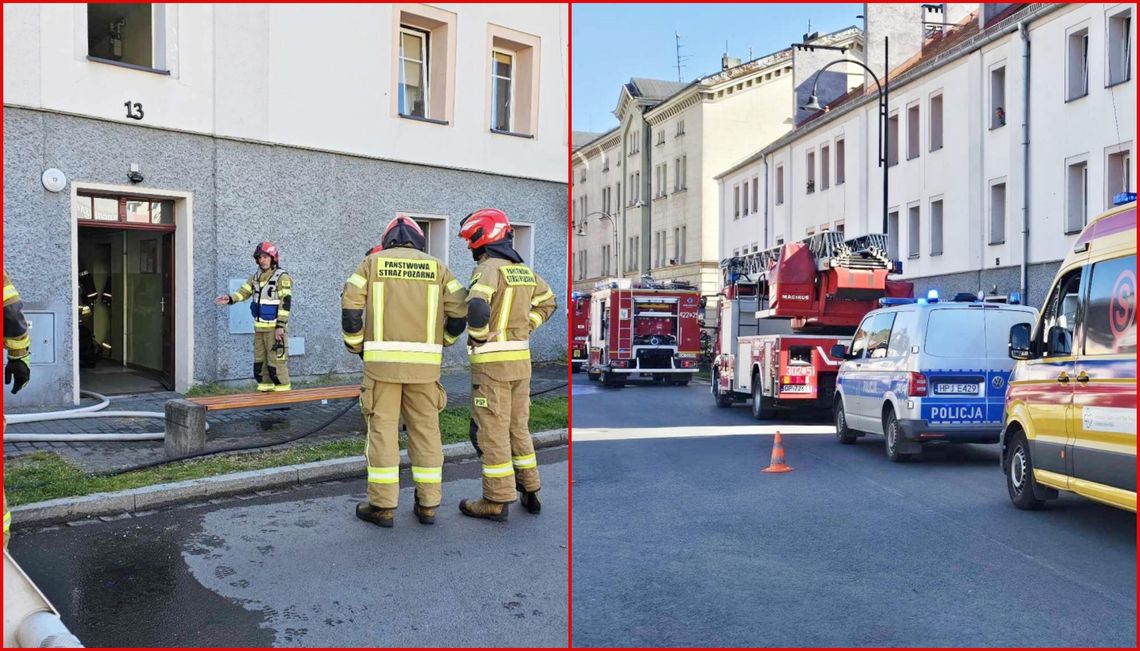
x: 645, y: 201
x: 172, y: 138
x: 1006, y: 132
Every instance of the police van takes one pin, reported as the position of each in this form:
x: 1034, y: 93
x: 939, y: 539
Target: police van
x: 1070, y: 415
x: 925, y: 371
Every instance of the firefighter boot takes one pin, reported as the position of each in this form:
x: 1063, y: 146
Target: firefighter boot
x: 496, y: 511
x: 425, y: 514
x: 376, y: 515
x: 529, y: 500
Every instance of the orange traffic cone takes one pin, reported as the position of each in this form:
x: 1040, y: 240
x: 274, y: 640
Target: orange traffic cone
x: 777, y: 464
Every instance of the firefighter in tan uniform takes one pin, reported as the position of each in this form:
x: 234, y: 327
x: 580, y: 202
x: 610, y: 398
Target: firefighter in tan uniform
x: 18, y: 344
x: 506, y: 301
x: 272, y: 292
x: 399, y: 309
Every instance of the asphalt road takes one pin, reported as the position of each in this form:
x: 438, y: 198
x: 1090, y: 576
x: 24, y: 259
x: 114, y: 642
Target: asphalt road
x: 296, y: 568
x: 682, y: 541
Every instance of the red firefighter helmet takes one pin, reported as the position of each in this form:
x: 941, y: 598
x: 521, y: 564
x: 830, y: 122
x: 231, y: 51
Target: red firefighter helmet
x: 268, y: 249
x: 403, y: 230
x: 484, y: 226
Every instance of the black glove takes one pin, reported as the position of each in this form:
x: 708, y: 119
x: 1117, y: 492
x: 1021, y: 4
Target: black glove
x: 18, y: 370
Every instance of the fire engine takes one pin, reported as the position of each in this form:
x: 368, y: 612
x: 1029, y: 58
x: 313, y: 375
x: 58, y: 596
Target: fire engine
x: 647, y: 328
x: 579, y: 330
x: 781, y: 311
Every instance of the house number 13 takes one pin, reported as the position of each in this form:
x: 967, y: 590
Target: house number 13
x: 134, y: 110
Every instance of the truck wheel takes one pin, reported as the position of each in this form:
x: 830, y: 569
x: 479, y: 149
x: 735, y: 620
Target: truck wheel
x: 1019, y: 475
x: 723, y: 400
x: 842, y: 433
x: 893, y: 433
x: 759, y: 410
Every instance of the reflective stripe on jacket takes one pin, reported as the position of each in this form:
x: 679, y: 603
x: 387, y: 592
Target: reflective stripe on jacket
x: 16, y: 339
x: 520, y: 301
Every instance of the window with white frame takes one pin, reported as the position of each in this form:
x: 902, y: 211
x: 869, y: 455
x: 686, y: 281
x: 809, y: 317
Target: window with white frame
x: 664, y: 178
x: 779, y: 185
x: 1120, y: 47
x: 755, y: 194
x: 735, y: 202
x: 660, y: 137
x: 839, y: 227
x: 502, y: 89
x: 840, y: 161
x: 684, y: 241
x: 514, y: 59
x: 684, y: 172
x: 676, y: 245
x: 524, y: 241
x: 997, y: 97
x: 414, y: 71
x: 680, y: 127
x: 997, y: 213
x: 824, y: 167
x: 1118, y: 172
x: 130, y: 34
x: 1077, y: 63
x: 936, y: 227
x: 913, y: 232
x: 435, y: 233
x: 913, y: 129
x: 1076, y: 195
x: 936, y: 122
x: 809, y: 163
x: 744, y: 199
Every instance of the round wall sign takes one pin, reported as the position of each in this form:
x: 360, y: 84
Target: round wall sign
x: 54, y: 180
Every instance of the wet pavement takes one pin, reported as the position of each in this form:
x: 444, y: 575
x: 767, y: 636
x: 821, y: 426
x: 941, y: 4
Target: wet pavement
x: 296, y: 568
x: 233, y: 428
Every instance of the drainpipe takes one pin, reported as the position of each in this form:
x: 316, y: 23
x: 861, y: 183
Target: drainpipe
x: 1023, y: 29
x: 766, y: 202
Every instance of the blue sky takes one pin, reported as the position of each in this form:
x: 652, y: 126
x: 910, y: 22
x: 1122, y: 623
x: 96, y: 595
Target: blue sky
x: 613, y: 42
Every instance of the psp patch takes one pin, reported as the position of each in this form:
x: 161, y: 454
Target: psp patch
x: 404, y: 269
x: 482, y: 402
x: 518, y: 275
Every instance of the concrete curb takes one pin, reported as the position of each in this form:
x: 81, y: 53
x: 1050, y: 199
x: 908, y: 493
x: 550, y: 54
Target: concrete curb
x: 67, y: 509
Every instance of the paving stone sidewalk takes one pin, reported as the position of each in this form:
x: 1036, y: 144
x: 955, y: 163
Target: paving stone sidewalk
x: 231, y: 428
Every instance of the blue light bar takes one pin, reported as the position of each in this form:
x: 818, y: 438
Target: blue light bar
x: 1015, y: 298
x: 1123, y: 197
x: 932, y: 296
x: 888, y: 302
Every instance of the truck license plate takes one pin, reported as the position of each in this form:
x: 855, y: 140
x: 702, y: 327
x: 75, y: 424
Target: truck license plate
x: 795, y: 388
x: 958, y: 389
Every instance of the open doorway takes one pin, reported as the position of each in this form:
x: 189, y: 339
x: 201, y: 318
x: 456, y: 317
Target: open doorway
x: 125, y: 333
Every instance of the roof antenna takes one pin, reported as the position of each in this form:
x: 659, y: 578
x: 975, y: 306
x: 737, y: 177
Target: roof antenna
x: 681, y: 59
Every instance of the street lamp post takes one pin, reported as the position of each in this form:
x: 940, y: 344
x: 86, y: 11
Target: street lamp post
x: 813, y: 105
x: 613, y: 222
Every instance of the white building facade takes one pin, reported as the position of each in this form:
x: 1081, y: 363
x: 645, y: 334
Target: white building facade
x: 958, y: 181
x: 654, y: 172
x: 307, y: 125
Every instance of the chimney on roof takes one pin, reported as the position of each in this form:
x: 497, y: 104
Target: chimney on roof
x: 810, y: 36
x: 727, y: 62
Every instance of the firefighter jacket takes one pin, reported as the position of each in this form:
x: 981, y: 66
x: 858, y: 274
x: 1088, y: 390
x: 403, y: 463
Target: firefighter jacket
x: 520, y: 301
x: 391, y: 314
x: 16, y: 339
x: 272, y: 294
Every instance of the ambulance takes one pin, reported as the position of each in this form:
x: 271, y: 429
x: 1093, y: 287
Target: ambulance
x: 1070, y: 412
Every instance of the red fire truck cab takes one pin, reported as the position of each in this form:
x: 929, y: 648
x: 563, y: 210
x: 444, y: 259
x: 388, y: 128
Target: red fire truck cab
x: 646, y: 328
x: 781, y: 311
x: 579, y: 330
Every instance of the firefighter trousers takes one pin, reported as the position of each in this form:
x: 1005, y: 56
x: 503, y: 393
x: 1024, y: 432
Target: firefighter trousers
x: 382, y: 404
x: 500, y: 415
x: 270, y: 367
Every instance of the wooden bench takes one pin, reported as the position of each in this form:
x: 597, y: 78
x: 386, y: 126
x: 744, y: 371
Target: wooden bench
x: 277, y: 398
x: 186, y: 418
